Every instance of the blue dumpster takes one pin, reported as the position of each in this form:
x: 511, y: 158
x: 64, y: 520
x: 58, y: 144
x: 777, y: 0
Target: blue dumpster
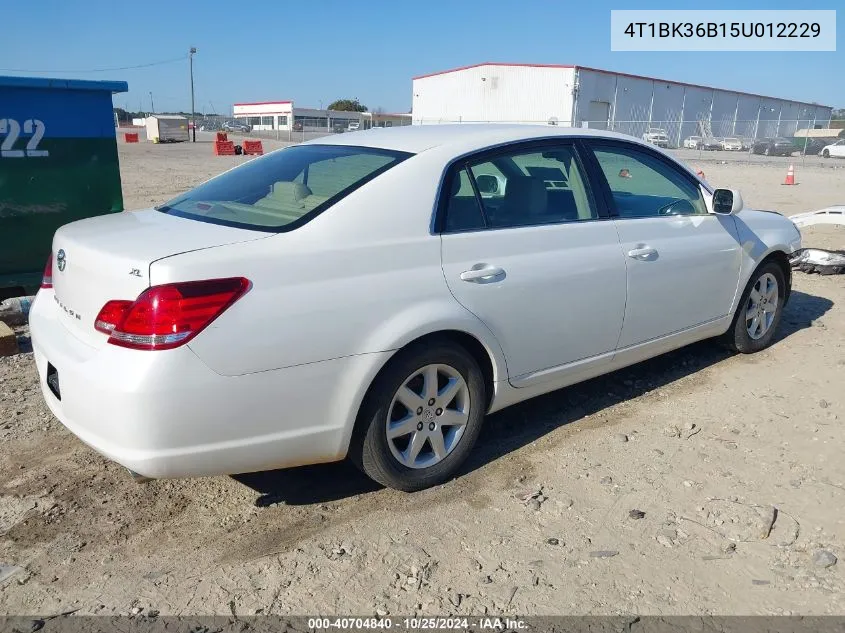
x: 58, y: 163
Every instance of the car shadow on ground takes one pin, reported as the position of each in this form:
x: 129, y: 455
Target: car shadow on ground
x: 521, y: 424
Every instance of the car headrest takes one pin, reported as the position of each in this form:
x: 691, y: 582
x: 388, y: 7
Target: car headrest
x: 527, y: 193
x: 286, y: 195
x: 290, y: 192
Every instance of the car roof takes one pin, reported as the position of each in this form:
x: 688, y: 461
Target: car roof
x: 462, y: 137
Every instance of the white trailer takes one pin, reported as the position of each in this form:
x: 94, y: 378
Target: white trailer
x: 167, y: 128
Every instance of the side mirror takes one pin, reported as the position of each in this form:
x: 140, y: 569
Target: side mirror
x: 487, y: 183
x: 727, y: 201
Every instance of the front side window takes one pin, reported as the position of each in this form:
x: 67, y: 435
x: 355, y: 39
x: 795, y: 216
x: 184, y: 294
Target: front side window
x: 645, y: 186
x: 284, y: 189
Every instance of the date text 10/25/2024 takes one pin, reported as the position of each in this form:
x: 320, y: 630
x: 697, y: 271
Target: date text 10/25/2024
x: 418, y: 624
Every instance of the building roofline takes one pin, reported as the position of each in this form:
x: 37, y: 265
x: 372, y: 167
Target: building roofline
x: 257, y: 103
x: 63, y: 84
x: 454, y: 70
x: 621, y: 74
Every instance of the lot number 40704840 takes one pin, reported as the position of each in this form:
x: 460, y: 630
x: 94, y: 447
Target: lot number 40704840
x: 12, y: 131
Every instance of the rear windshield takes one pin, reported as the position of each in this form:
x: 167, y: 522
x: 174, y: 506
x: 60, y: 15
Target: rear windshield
x: 285, y: 189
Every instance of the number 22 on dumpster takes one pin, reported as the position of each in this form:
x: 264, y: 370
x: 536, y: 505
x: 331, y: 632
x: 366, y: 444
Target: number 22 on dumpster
x: 11, y: 129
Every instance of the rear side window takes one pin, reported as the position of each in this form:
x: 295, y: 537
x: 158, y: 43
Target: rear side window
x: 285, y: 189
x: 462, y: 210
x: 520, y: 188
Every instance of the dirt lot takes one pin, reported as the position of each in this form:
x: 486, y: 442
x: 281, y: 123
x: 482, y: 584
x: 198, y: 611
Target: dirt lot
x: 735, y: 461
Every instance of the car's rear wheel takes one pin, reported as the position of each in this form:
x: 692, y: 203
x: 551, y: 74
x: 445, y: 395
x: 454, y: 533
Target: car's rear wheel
x: 759, y: 311
x: 421, y: 417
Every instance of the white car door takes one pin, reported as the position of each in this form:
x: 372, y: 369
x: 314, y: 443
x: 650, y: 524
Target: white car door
x: 683, y: 262
x: 838, y: 149
x: 525, y: 250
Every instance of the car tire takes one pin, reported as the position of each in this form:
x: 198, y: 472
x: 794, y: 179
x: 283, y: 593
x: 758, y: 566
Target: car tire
x: 767, y: 152
x: 826, y: 153
x: 739, y: 337
x: 380, y: 457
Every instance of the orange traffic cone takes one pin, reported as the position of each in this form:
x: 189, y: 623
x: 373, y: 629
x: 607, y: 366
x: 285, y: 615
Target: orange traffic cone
x: 790, y: 176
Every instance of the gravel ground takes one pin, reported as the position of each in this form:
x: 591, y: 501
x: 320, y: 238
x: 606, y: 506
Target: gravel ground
x: 695, y: 483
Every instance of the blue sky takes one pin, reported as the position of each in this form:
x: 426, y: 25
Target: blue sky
x: 313, y: 52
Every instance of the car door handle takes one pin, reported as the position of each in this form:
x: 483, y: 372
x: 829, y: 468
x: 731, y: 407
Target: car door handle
x: 484, y: 273
x: 642, y: 253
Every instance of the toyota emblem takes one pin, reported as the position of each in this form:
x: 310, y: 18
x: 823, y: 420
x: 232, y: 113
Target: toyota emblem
x: 61, y: 260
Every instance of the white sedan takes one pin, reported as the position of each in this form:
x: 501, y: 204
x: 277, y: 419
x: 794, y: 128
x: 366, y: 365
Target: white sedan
x: 375, y: 295
x: 836, y: 149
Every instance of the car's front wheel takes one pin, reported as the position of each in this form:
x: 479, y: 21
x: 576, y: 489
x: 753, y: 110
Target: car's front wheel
x: 826, y: 153
x: 759, y: 311
x: 421, y: 417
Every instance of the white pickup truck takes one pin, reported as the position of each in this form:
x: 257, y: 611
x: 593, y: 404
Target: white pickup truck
x: 656, y: 136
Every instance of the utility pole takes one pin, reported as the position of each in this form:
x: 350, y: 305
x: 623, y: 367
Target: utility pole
x: 152, y: 107
x: 193, y: 117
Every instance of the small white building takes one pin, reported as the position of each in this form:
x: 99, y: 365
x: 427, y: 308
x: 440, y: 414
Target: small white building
x: 282, y: 115
x: 167, y: 128
x: 579, y: 96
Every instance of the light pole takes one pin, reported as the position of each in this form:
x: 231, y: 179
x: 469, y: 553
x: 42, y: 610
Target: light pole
x: 152, y: 107
x: 193, y: 117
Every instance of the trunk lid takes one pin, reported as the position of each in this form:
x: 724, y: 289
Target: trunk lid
x: 109, y: 257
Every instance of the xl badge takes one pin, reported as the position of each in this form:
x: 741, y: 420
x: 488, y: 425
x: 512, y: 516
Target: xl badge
x: 61, y: 260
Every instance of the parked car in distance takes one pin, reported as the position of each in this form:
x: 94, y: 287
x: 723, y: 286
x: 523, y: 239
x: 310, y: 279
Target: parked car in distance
x: 656, y: 136
x: 313, y: 304
x: 773, y: 147
x: 236, y: 126
x: 836, y: 150
x: 297, y: 126
x: 731, y: 144
x: 711, y: 144
x: 210, y: 126
x: 812, y: 146
x: 353, y: 126
x: 694, y: 142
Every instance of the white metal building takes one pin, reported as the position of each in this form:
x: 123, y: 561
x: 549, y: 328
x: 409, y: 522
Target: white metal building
x: 281, y: 115
x: 580, y: 96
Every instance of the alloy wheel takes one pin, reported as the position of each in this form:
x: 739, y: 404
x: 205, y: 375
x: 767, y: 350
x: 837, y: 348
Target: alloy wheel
x: 428, y: 416
x: 762, y: 306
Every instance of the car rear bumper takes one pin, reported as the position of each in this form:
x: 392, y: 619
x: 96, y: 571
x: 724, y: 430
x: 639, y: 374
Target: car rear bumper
x: 166, y: 414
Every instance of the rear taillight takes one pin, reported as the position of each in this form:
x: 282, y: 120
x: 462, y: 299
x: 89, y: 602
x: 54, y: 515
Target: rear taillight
x: 111, y: 314
x: 47, y: 278
x: 168, y: 316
